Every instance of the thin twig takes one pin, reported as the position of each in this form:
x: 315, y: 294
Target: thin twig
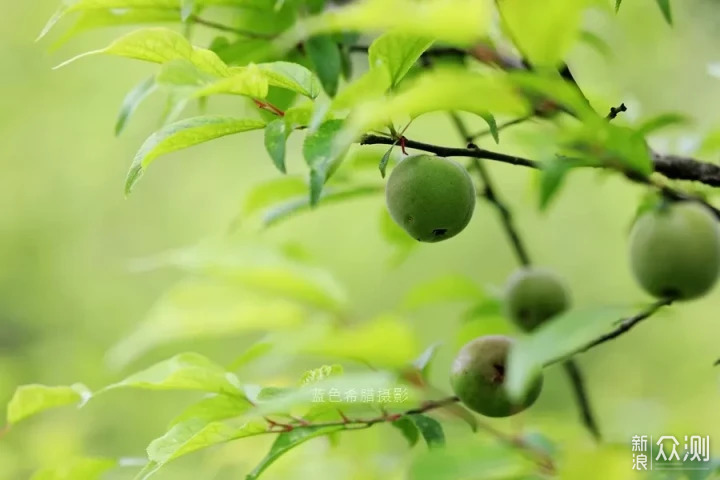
x: 372, y: 139
x: 615, y: 111
x: 523, y: 257
x: 581, y: 397
x: 491, y: 195
x: 346, y: 423
x: 628, y: 323
x: 502, y: 126
x: 623, y: 326
x: 226, y: 28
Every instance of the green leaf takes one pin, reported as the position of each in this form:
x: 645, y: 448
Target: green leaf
x: 196, y: 434
x: 183, y: 134
x: 458, y: 411
x: 314, y: 6
x: 291, y: 76
x: 187, y: 371
x: 77, y: 469
x: 245, y: 51
x: 386, y: 159
x: 614, y: 146
x: 408, y: 429
x: 325, y: 56
x: 371, y: 85
x: 132, y: 100
x: 393, y: 234
x: 187, y: 7
x: 328, y: 196
x: 385, y: 341
x: 92, y: 19
x: 492, y: 124
x: 207, y: 308
x: 160, y: 45
x: 276, y: 135
x: 287, y: 441
x: 346, y: 63
x: 664, y: 6
x: 617, y: 5
x: 557, y: 339
x: 483, y: 324
x: 261, y: 269
x: 423, y: 362
x: 430, y: 429
x: 299, y: 115
x: 141, y: 5
x: 663, y: 121
x: 249, y: 81
x: 182, y: 76
x: 471, y: 460
x: 175, y: 104
x: 397, y: 52
x: 552, y: 177
x: 214, y: 408
x: 449, y: 288
x: 445, y: 89
x: 552, y: 87
x: 321, y: 373
x: 30, y: 400
x: 454, y: 21
x: 274, y: 191
x: 597, y: 43
x: 543, y: 31
x: 710, y: 144
x: 321, y: 156
x: 255, y: 351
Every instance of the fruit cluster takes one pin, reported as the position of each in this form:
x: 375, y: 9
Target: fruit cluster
x: 674, y: 253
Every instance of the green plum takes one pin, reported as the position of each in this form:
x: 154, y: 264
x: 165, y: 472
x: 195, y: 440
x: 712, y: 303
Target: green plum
x: 534, y: 295
x: 675, y: 250
x: 431, y: 198
x: 478, y: 378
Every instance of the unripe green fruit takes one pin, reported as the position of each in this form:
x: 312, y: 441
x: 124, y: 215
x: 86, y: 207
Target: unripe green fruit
x: 534, y: 295
x: 675, y: 251
x: 431, y: 198
x: 478, y: 378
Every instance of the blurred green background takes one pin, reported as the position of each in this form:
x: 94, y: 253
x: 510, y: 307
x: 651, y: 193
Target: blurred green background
x: 68, y: 238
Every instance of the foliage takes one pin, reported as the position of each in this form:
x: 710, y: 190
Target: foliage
x: 292, y: 66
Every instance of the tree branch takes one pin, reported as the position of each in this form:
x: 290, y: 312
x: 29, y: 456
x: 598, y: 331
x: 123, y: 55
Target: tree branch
x: 541, y: 458
x: 372, y: 139
x: 628, y: 323
x: 623, y: 326
x: 573, y: 370
x: 491, y: 195
x: 581, y: 397
x: 670, y: 167
x: 685, y: 168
